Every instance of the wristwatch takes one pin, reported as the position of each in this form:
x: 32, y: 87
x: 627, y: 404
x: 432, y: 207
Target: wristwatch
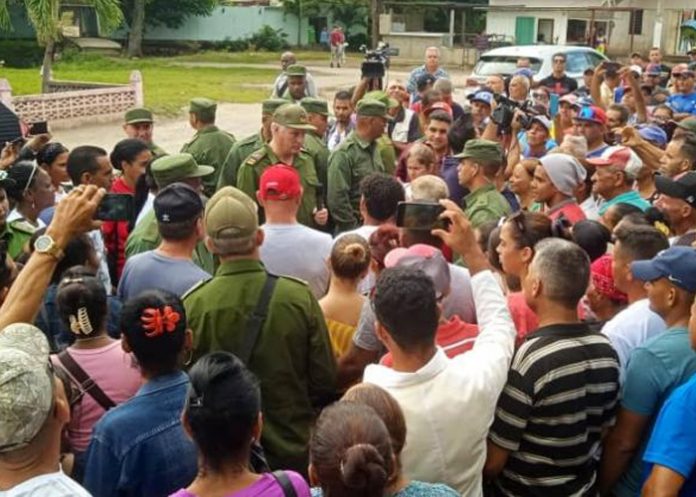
x: 46, y: 245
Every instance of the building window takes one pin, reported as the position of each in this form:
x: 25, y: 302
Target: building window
x: 635, y: 23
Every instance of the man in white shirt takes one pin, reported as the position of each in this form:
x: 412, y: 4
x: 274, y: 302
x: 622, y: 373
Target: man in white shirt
x: 637, y: 323
x: 434, y: 391
x: 290, y: 248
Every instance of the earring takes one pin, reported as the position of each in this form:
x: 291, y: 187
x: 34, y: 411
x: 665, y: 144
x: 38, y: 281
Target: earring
x: 187, y: 362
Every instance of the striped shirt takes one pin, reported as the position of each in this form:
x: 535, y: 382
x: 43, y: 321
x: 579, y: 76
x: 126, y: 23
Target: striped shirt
x: 560, y: 395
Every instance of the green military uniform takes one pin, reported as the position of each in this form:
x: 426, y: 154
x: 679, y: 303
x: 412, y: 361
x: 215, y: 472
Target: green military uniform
x: 156, y: 150
x: 292, y: 356
x: 210, y: 145
x: 314, y: 143
x: 384, y: 143
x: 354, y: 159
x: 139, y: 115
x: 17, y: 234
x: 292, y: 116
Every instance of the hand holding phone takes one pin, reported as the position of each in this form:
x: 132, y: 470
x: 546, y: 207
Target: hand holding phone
x: 115, y: 207
x: 420, y: 216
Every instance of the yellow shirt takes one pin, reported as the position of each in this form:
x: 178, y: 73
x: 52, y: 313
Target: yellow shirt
x: 340, y: 335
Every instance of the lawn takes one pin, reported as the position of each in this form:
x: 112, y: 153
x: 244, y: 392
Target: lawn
x: 168, y: 86
x: 252, y: 57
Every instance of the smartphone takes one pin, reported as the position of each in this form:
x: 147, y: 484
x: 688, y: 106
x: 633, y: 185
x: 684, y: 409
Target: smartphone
x: 40, y: 128
x: 553, y: 104
x: 321, y: 203
x: 115, y: 207
x: 420, y: 216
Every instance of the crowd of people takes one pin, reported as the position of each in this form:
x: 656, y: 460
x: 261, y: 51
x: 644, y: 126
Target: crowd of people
x: 265, y: 322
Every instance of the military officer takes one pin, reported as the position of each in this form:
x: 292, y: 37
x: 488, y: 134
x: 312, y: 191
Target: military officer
x: 286, y: 146
x: 291, y: 355
x: 167, y: 170
x: 384, y: 142
x: 480, y: 163
x: 315, y: 141
x: 356, y: 157
x: 297, y: 83
x: 243, y: 148
x: 140, y: 124
x: 210, y: 145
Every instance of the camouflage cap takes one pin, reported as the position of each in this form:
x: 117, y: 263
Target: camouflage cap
x: 315, y: 105
x: 230, y: 214
x: 480, y: 149
x: 292, y: 116
x: 372, y: 108
x: 177, y: 167
x: 26, y: 385
x: 203, y: 108
x: 271, y: 105
x: 296, y: 70
x: 381, y: 96
x: 138, y: 115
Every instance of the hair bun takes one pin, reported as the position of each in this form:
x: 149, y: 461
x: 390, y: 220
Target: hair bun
x: 363, y: 468
x: 355, y: 250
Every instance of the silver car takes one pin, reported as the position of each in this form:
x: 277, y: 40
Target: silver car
x: 503, y: 61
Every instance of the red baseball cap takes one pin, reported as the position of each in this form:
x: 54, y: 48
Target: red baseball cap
x: 621, y: 157
x: 280, y: 182
x: 438, y: 106
x: 591, y: 113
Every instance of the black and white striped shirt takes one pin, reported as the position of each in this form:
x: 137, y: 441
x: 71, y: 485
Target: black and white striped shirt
x: 560, y: 395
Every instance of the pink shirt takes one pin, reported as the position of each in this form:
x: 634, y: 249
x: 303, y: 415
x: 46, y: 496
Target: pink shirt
x: 116, y: 374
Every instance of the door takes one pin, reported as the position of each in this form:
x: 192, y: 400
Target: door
x: 545, y: 31
x: 524, y: 30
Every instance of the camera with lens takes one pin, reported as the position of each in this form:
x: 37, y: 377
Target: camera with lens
x: 504, y: 113
x: 377, y: 60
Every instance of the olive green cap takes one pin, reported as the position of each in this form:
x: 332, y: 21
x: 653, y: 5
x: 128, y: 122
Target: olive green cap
x: 230, y: 214
x: 315, y: 106
x: 292, y: 116
x: 382, y: 97
x: 689, y: 124
x: 138, y: 115
x: 480, y: 149
x: 204, y: 108
x: 296, y: 70
x: 177, y: 167
x: 372, y: 108
x: 271, y: 105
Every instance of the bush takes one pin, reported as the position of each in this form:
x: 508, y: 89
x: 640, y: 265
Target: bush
x: 267, y: 38
x: 21, y: 53
x: 357, y: 39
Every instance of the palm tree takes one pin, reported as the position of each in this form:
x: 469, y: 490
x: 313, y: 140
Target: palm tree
x: 44, y: 16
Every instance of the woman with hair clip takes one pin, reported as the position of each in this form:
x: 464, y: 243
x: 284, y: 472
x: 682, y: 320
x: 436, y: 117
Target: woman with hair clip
x: 130, y: 156
x: 53, y: 158
x: 349, y: 263
x: 141, y: 448
x: 101, y: 373
x: 223, y: 416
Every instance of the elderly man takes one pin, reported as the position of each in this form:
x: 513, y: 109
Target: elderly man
x: 140, y: 124
x: 431, y: 66
x: 615, y: 172
x: 288, y: 59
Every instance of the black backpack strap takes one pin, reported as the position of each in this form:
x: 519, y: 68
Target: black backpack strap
x: 86, y: 383
x: 257, y: 318
x: 285, y: 483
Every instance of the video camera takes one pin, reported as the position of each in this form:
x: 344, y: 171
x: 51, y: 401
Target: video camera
x: 377, y: 60
x: 504, y: 113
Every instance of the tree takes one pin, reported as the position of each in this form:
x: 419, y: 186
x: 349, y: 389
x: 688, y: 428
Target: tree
x: 44, y: 16
x: 349, y: 13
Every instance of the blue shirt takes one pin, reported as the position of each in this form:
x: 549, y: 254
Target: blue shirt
x: 674, y: 437
x: 140, y: 448
x: 654, y: 371
x: 596, y: 152
x: 631, y: 197
x: 682, y: 104
x: 440, y: 73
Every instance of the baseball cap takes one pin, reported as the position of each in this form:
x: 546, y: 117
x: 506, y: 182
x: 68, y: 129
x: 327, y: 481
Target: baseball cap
x: 203, y: 108
x: 177, y: 167
x: 481, y: 149
x: 544, y: 121
x: 443, y: 106
x: 26, y: 385
x: 177, y: 202
x: 230, y: 214
x: 292, y: 116
x: 315, y: 105
x: 677, y: 264
x: 569, y: 98
x: 426, y: 258
x: 652, y: 133
x: 621, y: 157
x: 683, y: 187
x: 138, y: 115
x: 591, y: 113
x: 485, y: 97
x: 424, y: 80
x: 636, y: 69
x: 280, y: 182
x: 653, y: 70
x: 689, y: 124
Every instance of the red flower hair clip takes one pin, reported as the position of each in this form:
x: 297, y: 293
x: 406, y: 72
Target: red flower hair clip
x: 156, y: 322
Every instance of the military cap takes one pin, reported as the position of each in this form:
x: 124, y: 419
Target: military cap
x: 292, y: 116
x: 372, y: 108
x: 382, y: 97
x: 177, y: 167
x: 689, y: 124
x: 480, y: 149
x: 26, y: 385
x: 315, y: 105
x: 138, y: 115
x: 296, y: 70
x: 230, y: 214
x: 204, y: 108
x: 271, y: 105
x: 176, y: 203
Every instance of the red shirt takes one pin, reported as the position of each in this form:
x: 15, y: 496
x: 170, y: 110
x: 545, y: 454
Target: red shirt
x: 524, y: 318
x: 336, y: 37
x: 116, y: 233
x: 570, y: 210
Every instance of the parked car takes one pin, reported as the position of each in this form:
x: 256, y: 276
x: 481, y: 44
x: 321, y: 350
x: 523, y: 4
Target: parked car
x: 503, y: 61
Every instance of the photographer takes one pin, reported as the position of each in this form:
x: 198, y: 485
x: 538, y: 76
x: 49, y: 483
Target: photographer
x: 481, y: 107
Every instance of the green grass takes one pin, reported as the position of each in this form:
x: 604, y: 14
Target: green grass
x: 251, y: 57
x: 168, y: 86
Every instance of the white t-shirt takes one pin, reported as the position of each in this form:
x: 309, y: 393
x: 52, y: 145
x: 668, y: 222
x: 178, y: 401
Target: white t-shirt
x: 50, y: 485
x: 298, y: 251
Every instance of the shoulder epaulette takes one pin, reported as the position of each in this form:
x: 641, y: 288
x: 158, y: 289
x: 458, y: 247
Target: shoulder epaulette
x: 255, y: 157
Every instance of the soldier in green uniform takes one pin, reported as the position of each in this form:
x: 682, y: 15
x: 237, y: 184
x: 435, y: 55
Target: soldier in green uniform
x: 288, y: 133
x: 243, y: 148
x: 291, y: 356
x: 140, y: 124
x: 384, y: 143
x: 210, y: 145
x: 315, y: 141
x: 297, y: 83
x: 167, y: 170
x: 356, y: 157
x: 481, y: 161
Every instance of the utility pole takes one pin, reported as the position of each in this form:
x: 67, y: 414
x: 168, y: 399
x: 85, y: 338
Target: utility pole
x: 375, y: 9
x: 299, y: 23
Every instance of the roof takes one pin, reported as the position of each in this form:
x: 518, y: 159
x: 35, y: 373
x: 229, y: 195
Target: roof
x: 536, y: 51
